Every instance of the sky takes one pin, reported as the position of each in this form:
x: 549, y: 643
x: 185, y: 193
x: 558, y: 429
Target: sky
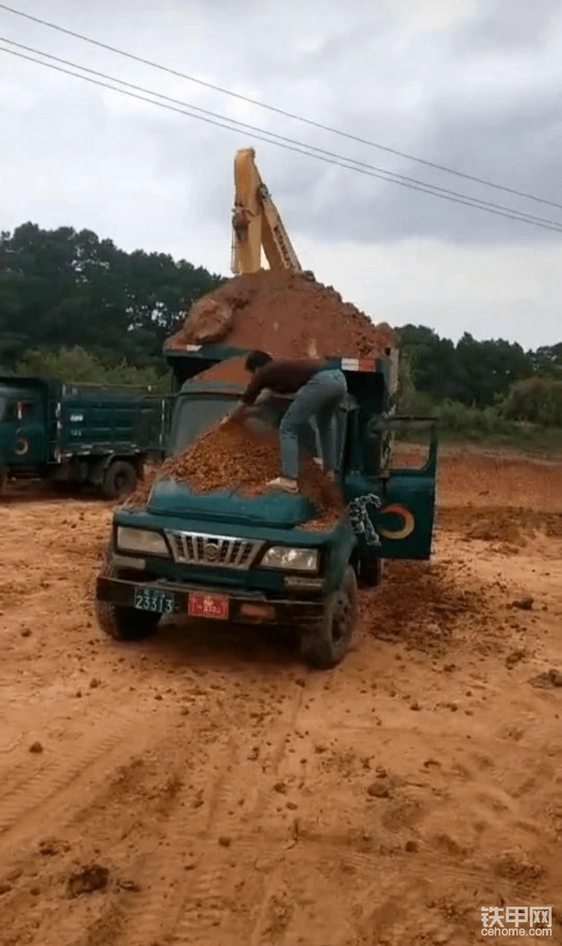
x: 473, y: 85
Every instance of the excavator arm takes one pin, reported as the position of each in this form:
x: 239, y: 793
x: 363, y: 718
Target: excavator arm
x: 256, y: 222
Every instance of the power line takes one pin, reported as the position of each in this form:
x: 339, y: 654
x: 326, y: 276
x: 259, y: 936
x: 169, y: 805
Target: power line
x: 279, y: 111
x: 283, y: 141
x: 300, y: 148
x: 391, y: 176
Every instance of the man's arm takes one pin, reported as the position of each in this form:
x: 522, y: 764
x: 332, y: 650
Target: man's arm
x: 255, y: 387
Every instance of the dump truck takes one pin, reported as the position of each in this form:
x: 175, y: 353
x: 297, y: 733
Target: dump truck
x: 225, y: 557
x: 75, y: 434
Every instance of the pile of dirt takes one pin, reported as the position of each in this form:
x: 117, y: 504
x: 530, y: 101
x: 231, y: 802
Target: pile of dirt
x: 423, y: 606
x: 514, y: 525
x: 287, y: 314
x: 502, y: 529
x: 234, y: 457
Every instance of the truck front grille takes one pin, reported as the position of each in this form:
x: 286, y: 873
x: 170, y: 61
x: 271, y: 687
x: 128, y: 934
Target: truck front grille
x: 196, y: 548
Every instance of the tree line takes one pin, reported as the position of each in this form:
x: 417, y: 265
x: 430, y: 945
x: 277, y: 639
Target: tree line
x: 72, y: 303
x: 65, y: 289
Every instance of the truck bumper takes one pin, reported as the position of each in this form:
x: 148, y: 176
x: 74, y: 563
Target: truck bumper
x: 243, y: 607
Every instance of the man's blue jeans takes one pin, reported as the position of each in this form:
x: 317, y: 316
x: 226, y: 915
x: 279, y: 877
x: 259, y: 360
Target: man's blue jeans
x: 319, y: 400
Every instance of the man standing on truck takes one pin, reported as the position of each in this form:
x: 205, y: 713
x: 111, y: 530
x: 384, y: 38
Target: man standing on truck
x: 319, y: 390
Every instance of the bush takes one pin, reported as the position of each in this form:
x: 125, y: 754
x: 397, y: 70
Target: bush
x: 536, y: 401
x: 80, y: 366
x: 472, y: 422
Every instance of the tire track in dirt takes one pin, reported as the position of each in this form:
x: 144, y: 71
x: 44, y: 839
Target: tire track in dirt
x: 44, y: 797
x: 189, y: 905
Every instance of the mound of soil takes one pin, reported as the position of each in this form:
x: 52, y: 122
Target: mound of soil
x: 234, y: 457
x: 501, y: 529
x: 287, y: 314
x: 423, y: 606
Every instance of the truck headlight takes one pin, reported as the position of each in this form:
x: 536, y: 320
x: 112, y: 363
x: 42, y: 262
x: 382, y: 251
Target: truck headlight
x: 298, y: 560
x: 142, y: 541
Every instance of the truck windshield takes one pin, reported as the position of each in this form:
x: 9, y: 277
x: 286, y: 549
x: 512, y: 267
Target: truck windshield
x: 195, y: 415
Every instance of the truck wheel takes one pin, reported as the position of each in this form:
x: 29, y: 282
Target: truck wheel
x: 370, y: 572
x: 123, y: 624
x: 327, y: 644
x: 119, y: 479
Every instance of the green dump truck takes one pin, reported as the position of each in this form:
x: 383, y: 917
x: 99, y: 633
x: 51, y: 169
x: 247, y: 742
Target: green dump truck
x: 71, y: 434
x: 225, y: 557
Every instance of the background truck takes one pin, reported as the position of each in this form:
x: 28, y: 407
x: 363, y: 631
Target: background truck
x: 226, y: 557
x: 73, y: 434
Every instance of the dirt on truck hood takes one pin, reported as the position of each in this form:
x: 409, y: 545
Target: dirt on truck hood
x: 224, y: 475
x: 273, y: 510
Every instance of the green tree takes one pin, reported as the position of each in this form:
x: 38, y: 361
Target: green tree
x: 547, y: 361
x: 77, y: 365
x: 487, y: 369
x: 472, y: 372
x: 66, y: 288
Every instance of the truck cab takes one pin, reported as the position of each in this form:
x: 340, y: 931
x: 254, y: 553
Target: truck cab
x: 79, y: 434
x: 23, y: 428
x: 224, y: 556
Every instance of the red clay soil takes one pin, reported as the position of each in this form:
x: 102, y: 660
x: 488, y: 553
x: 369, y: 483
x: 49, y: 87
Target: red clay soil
x: 232, y: 457
x: 247, y: 463
x: 287, y: 314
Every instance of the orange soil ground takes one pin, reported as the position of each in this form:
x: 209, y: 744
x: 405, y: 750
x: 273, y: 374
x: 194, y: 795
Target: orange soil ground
x: 228, y: 796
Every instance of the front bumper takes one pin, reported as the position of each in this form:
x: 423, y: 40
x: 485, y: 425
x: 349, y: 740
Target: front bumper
x: 284, y: 611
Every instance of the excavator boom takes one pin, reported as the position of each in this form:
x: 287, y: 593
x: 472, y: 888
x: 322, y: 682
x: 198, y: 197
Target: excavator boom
x: 256, y: 222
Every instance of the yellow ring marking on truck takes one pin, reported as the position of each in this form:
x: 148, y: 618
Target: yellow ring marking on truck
x: 408, y: 523
x: 21, y: 451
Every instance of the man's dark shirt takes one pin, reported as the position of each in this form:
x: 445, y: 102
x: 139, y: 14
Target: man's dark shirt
x: 283, y: 377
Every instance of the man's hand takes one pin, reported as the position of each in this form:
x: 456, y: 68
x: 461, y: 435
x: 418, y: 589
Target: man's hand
x: 235, y: 415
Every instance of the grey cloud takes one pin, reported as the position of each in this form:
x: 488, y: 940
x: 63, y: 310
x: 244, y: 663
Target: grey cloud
x: 508, y: 24
x: 481, y: 95
x: 493, y: 116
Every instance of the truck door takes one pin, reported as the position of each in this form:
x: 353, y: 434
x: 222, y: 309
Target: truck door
x: 394, y: 517
x: 27, y: 438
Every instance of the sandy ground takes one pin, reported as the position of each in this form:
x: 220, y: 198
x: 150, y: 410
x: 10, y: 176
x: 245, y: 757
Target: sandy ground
x: 219, y: 793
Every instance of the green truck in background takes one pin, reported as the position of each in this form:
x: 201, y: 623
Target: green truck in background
x: 226, y: 557
x: 73, y: 434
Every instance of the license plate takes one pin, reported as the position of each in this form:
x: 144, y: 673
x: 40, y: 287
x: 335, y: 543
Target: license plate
x: 208, y: 606
x: 155, y: 600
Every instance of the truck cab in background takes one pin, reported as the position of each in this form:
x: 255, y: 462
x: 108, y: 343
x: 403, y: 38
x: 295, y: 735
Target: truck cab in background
x: 223, y: 556
x: 70, y: 434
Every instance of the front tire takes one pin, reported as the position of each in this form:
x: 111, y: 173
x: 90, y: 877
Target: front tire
x: 119, y: 479
x: 123, y: 624
x: 327, y: 644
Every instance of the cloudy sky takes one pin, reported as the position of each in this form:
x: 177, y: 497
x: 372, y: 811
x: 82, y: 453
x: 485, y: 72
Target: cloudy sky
x: 470, y: 84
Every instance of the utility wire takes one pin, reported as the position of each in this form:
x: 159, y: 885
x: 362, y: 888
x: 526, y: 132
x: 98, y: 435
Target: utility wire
x: 299, y: 147
x: 312, y: 151
x: 392, y: 176
x: 278, y: 111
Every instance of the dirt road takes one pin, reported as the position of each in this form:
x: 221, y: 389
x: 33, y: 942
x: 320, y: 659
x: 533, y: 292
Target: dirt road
x: 217, y: 793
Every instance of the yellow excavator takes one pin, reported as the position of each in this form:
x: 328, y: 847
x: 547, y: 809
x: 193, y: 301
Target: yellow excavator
x: 256, y: 222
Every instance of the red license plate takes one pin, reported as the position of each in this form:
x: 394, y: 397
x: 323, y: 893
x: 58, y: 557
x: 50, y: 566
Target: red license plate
x: 208, y: 606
